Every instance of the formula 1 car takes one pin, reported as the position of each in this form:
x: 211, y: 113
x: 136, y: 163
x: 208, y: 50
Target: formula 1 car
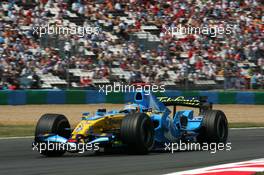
x: 141, y: 126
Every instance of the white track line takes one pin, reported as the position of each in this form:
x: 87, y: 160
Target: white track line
x: 228, y: 165
x: 247, y: 128
x: 9, y: 138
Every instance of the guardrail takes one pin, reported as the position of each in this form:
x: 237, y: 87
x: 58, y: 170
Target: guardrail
x: 27, y: 97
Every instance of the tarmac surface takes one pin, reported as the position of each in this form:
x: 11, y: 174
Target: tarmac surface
x: 17, y: 157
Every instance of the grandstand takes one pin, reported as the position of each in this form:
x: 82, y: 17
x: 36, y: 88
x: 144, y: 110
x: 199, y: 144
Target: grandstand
x: 131, y: 45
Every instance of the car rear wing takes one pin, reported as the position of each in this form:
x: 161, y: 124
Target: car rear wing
x: 195, y: 102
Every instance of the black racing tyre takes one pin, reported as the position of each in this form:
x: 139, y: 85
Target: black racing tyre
x: 137, y: 131
x: 214, y: 127
x: 53, y: 124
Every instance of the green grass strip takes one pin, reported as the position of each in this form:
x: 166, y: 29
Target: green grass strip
x: 16, y: 130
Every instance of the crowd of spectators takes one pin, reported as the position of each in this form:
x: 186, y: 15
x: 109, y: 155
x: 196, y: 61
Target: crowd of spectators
x: 239, y: 56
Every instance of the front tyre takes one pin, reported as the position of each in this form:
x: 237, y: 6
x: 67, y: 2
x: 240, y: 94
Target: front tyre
x: 52, y: 124
x: 214, y: 127
x: 137, y: 132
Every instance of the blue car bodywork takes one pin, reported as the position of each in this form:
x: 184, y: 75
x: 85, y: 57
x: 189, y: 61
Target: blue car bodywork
x: 168, y: 125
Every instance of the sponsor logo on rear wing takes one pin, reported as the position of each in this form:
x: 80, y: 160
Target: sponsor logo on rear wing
x: 183, y: 101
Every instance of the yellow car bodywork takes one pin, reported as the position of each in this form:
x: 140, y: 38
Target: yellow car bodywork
x: 100, y: 126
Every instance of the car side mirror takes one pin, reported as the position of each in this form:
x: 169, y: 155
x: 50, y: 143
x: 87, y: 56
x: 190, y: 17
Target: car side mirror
x: 85, y: 115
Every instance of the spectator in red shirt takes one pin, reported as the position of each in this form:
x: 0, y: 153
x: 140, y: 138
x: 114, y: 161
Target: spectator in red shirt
x: 199, y: 64
x: 86, y: 81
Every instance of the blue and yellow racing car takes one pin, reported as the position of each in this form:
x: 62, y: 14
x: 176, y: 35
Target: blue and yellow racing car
x: 141, y: 126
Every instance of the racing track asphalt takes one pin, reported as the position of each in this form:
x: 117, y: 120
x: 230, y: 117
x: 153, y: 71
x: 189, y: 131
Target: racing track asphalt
x: 17, y: 157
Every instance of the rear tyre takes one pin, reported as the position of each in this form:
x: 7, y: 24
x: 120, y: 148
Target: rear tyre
x: 214, y: 127
x: 137, y: 131
x: 52, y: 124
